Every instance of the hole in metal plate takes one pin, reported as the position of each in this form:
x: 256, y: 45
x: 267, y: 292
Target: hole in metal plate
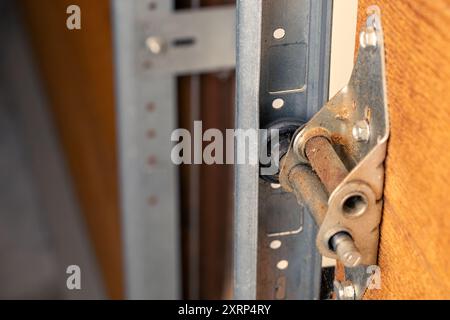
x: 278, y: 103
x: 279, y: 33
x: 183, y: 42
x: 282, y: 264
x: 275, y: 244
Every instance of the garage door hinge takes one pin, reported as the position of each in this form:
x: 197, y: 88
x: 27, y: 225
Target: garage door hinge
x: 335, y: 162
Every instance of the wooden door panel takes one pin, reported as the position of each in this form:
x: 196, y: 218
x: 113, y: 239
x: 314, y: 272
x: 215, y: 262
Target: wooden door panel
x: 415, y: 232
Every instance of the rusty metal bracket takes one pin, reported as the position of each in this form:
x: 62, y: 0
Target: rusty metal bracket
x: 335, y: 162
x: 282, y: 81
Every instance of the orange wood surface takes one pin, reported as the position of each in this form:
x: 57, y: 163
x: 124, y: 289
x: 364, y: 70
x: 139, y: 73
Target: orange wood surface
x: 415, y: 232
x: 77, y: 70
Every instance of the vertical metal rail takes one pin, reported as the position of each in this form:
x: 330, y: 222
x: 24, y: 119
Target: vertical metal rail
x: 249, y: 21
x: 283, y: 56
x: 149, y: 58
x: 147, y: 116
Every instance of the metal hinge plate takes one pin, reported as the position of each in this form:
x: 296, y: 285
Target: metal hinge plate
x: 335, y: 163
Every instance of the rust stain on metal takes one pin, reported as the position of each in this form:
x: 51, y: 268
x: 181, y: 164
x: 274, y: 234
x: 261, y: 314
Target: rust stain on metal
x: 343, y: 141
x: 337, y: 138
x: 325, y: 162
x: 343, y: 114
x: 305, y: 184
x: 368, y: 114
x: 309, y: 190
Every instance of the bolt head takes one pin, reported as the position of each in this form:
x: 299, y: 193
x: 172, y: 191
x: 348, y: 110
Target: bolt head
x: 156, y: 45
x: 368, y: 38
x: 361, y: 131
x: 344, y: 290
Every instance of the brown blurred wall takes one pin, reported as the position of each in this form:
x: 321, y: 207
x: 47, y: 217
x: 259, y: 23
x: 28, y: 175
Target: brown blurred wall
x: 77, y: 71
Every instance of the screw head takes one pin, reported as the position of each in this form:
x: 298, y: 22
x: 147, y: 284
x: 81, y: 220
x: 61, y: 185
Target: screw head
x: 344, y: 290
x: 156, y: 45
x: 368, y: 38
x: 361, y: 131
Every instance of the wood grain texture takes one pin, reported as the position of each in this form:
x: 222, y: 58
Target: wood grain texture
x: 415, y: 232
x: 77, y: 69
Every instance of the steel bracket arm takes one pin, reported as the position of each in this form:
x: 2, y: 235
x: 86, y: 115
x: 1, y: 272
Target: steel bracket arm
x: 335, y: 162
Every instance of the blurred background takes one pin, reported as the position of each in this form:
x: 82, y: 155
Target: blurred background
x: 60, y: 186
